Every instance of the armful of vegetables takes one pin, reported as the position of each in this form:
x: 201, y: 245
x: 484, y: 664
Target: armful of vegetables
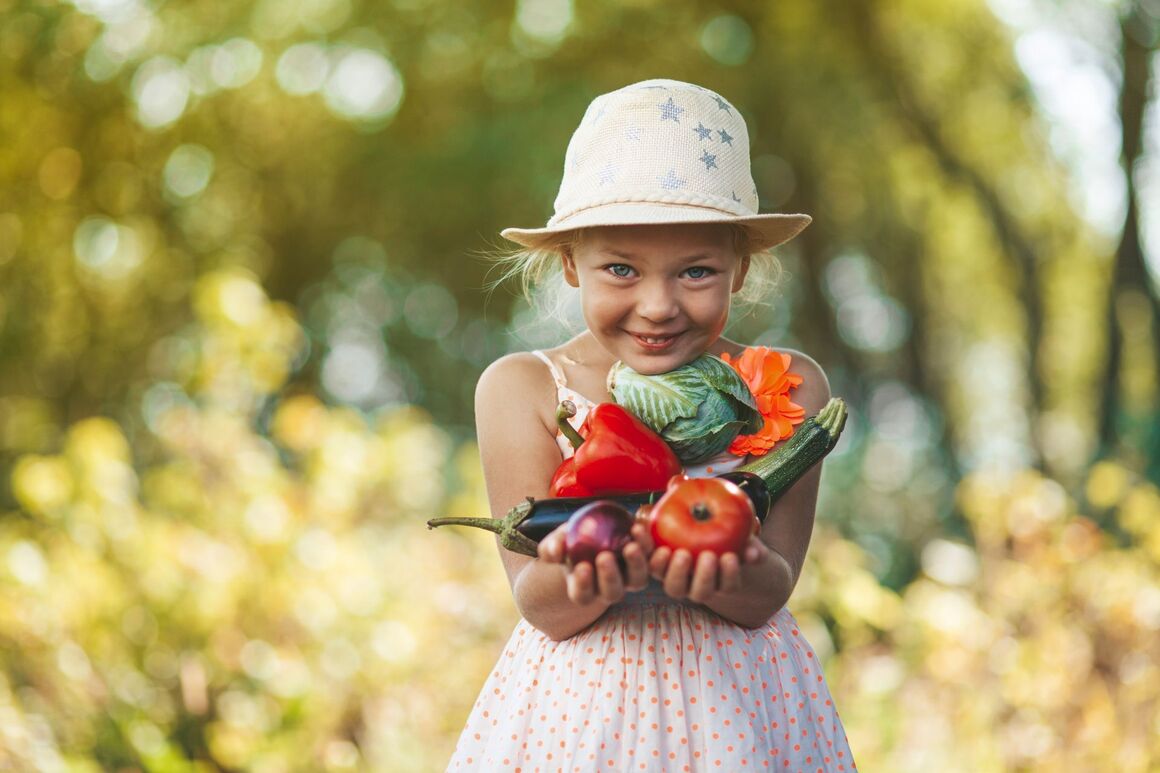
x: 764, y: 480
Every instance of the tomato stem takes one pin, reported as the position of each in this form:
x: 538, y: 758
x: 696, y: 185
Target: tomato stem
x: 701, y: 511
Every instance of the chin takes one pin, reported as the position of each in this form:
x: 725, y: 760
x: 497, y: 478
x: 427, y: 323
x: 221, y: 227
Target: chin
x: 652, y: 366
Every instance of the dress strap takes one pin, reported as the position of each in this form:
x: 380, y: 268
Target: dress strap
x: 557, y: 374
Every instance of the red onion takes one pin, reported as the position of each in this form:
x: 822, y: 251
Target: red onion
x: 601, y: 525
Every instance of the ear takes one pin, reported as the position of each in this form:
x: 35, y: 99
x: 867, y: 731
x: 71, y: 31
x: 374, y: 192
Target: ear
x: 739, y: 277
x: 568, y: 262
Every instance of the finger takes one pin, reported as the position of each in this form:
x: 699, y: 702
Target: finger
x: 551, y: 548
x: 636, y: 567
x: 676, y: 582
x: 643, y: 537
x: 704, y: 583
x: 581, y: 583
x: 609, y: 581
x: 756, y: 551
x: 658, y: 562
x: 729, y: 573
x: 752, y: 554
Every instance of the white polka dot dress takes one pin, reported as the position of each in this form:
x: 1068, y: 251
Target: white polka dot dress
x: 656, y: 684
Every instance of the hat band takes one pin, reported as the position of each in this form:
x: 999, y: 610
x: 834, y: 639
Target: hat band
x: 700, y: 201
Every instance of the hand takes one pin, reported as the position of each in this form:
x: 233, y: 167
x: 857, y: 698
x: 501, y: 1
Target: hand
x: 711, y: 574
x: 603, y: 581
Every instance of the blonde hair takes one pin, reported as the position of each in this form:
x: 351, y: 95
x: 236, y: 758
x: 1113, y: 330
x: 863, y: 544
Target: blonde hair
x: 541, y: 278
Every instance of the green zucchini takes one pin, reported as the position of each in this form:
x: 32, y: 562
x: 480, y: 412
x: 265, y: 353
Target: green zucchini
x: 808, y: 445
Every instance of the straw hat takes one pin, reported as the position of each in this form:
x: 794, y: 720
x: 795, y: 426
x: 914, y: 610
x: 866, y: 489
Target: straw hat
x: 660, y: 151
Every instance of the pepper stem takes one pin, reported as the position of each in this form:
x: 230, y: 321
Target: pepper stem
x: 565, y: 411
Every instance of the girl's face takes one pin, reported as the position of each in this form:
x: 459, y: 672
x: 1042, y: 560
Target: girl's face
x: 656, y: 296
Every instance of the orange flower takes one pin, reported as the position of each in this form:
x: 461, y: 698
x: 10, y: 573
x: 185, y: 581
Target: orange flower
x: 766, y: 372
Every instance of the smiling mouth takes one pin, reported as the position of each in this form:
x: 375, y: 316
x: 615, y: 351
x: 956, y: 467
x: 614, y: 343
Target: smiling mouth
x: 655, y: 342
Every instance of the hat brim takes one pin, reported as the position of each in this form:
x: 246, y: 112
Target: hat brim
x: 765, y: 230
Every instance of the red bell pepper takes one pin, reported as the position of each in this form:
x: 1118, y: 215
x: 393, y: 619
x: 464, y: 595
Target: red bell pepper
x: 616, y: 453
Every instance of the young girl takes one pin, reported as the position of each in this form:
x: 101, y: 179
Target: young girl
x: 672, y: 664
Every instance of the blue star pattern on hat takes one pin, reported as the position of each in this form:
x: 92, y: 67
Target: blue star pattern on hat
x: 721, y: 104
x: 671, y: 182
x: 709, y: 160
x: 725, y: 138
x: 670, y: 111
x: 608, y: 173
x: 703, y: 131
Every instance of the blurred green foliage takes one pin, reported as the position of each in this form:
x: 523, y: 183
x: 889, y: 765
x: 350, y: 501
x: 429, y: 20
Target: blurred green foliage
x: 242, y: 311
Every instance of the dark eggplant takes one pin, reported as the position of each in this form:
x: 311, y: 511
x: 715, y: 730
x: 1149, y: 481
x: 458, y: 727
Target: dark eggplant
x: 529, y: 522
x: 754, y: 487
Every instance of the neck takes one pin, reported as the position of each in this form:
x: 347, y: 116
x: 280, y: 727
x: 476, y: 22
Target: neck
x: 587, y: 352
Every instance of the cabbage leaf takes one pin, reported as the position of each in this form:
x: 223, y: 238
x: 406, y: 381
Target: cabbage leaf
x: 698, y: 408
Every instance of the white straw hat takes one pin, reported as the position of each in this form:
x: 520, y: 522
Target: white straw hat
x: 660, y: 151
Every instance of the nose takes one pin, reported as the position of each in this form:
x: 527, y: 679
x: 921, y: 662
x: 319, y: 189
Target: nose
x: 657, y: 302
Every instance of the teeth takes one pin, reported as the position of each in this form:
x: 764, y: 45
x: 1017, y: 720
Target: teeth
x: 648, y: 340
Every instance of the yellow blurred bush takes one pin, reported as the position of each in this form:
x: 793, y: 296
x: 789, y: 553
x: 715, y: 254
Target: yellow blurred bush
x: 266, y: 597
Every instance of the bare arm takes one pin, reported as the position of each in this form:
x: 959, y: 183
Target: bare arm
x: 750, y: 592
x: 516, y: 431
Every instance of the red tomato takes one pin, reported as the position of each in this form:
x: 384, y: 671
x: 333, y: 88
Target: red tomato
x: 700, y: 514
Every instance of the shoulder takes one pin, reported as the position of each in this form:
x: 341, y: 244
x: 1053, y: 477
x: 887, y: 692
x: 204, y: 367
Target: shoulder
x: 814, y: 391
x: 515, y: 382
x: 515, y: 367
x: 514, y: 375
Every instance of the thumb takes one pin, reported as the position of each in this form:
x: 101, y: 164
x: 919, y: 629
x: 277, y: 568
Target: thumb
x: 755, y: 551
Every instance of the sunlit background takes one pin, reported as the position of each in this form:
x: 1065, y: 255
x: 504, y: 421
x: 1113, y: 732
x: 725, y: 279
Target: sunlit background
x: 243, y: 261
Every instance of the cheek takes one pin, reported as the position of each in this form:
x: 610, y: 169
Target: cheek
x: 602, y: 305
x: 713, y: 307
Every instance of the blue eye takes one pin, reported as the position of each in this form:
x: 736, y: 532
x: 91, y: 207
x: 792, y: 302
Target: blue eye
x: 699, y: 272
x: 620, y: 270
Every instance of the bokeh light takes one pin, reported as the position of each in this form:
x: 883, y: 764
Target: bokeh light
x: 107, y: 250
x: 544, y: 21
x: 161, y: 90
x: 363, y: 85
x: 302, y: 68
x: 188, y: 171
x: 728, y: 39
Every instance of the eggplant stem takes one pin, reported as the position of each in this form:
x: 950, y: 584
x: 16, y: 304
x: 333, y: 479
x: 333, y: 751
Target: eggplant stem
x: 489, y: 524
x: 565, y: 411
x: 510, y: 536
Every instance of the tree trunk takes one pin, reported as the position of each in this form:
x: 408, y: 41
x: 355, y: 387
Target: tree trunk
x: 1138, y: 36
x: 894, y: 77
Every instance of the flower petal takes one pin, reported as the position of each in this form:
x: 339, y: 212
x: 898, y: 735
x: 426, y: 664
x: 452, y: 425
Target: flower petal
x: 767, y: 374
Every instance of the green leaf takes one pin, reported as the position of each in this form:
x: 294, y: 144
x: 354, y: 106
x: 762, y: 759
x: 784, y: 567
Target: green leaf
x: 698, y: 408
x: 658, y: 400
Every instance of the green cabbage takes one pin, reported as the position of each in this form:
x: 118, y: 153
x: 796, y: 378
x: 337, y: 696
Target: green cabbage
x: 698, y: 408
